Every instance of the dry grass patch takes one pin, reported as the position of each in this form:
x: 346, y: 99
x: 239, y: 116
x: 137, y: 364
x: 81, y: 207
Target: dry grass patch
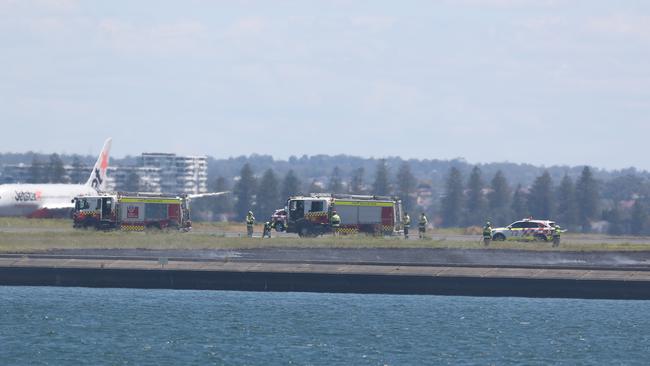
x: 41, y: 241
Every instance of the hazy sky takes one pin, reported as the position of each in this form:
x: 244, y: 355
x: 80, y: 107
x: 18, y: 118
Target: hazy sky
x: 542, y: 82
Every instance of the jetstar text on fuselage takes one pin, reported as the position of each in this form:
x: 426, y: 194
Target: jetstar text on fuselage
x: 25, y: 196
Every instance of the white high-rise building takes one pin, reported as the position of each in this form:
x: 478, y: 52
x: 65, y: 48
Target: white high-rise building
x: 179, y: 174
x: 119, y: 178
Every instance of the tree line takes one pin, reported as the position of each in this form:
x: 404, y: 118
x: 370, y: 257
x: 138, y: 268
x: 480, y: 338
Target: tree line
x: 579, y: 205
x: 619, y: 206
x: 573, y: 205
x: 53, y: 170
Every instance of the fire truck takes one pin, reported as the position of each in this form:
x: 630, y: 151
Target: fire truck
x: 131, y: 211
x: 377, y: 215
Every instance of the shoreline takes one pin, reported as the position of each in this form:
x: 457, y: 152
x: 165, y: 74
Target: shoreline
x: 365, y: 278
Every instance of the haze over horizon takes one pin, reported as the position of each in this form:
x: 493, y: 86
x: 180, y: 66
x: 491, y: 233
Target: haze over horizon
x: 539, y: 82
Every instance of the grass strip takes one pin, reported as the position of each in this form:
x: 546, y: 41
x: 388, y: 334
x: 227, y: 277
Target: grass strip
x: 19, y: 242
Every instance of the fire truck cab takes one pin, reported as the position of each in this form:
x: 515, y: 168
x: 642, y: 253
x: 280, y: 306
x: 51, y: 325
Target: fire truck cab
x: 308, y: 216
x: 94, y: 211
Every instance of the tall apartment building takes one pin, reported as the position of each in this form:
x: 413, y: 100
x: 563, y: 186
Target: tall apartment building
x: 118, y: 177
x: 179, y: 174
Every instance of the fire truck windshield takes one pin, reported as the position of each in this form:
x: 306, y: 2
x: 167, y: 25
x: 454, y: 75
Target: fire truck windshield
x: 82, y: 204
x: 317, y: 206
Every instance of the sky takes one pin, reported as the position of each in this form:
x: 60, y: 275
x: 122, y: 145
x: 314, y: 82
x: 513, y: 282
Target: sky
x: 541, y: 81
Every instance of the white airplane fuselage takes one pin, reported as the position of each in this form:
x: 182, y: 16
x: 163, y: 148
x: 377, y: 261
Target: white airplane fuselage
x: 28, y: 199
x: 48, y: 198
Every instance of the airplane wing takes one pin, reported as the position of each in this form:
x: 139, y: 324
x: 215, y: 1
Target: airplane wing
x: 210, y: 194
x: 57, y: 205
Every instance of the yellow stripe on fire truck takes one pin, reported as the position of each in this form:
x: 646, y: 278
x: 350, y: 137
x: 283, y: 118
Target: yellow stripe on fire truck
x: 129, y: 227
x: 387, y: 228
x: 315, y: 214
x: 363, y: 203
x: 151, y: 200
x: 347, y: 230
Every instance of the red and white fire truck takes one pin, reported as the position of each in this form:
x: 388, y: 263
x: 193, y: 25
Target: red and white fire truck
x: 131, y: 211
x: 310, y: 215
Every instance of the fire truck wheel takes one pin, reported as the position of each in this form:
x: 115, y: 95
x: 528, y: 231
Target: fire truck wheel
x: 306, y: 232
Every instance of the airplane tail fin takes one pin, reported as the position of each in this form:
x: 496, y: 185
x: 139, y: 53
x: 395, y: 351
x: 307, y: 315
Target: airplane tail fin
x: 97, y: 177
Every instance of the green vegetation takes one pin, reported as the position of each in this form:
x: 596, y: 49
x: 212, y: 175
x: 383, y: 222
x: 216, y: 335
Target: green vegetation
x: 406, y: 185
x: 27, y: 235
x: 541, y: 199
x: 22, y: 223
x: 43, y: 241
x: 268, y: 195
x: 244, y: 190
x: 476, y: 202
x: 57, y: 234
x: 453, y: 200
x: 335, y: 183
x: 381, y: 187
x: 290, y: 185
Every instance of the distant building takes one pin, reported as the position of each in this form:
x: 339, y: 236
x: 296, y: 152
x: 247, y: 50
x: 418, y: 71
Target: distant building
x: 162, y: 173
x: 117, y: 179
x: 424, y: 195
x: 179, y: 174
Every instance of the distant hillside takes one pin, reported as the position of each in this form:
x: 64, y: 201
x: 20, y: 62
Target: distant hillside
x: 435, y: 171
x: 319, y: 167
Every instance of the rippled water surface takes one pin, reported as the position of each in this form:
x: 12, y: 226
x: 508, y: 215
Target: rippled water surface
x: 68, y: 326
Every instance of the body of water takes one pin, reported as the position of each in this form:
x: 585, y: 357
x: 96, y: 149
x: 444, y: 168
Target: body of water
x: 69, y: 326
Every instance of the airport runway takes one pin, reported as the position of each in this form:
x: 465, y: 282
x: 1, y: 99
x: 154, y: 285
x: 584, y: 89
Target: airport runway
x: 324, y: 277
x: 380, y: 256
x: 472, y: 272
x: 573, y: 238
x: 436, y: 271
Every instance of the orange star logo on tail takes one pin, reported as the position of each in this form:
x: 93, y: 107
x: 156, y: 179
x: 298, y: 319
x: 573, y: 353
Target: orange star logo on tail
x: 104, y: 164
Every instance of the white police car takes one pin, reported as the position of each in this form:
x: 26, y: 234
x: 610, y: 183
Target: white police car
x: 526, y: 229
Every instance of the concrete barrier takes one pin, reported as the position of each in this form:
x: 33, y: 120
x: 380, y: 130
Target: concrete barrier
x: 492, y: 281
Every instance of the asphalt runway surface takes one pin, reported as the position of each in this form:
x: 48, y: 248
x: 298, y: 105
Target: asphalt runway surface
x: 576, y: 238
x: 382, y: 256
x: 406, y: 256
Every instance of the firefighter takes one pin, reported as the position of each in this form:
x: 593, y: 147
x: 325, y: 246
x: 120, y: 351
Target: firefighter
x: 422, y: 225
x: 250, y: 221
x: 335, y: 221
x: 557, y: 231
x: 267, y: 229
x: 407, y: 224
x: 487, y: 233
